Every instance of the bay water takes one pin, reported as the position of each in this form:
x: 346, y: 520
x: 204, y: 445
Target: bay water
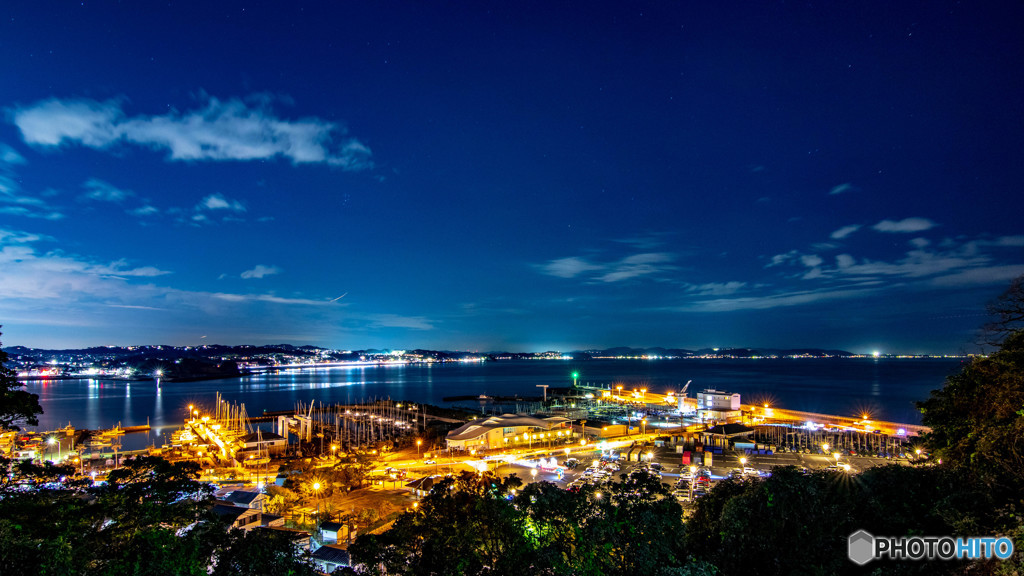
x: 885, y: 388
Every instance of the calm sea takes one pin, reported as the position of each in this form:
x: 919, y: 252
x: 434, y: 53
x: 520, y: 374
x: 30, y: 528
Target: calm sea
x: 886, y: 388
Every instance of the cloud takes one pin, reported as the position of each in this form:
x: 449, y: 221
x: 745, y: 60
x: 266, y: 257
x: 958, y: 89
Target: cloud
x: 845, y: 231
x: 780, y: 300
x: 219, y: 202
x: 31, y: 275
x: 637, y: 265
x: 811, y: 260
x: 9, y: 156
x: 644, y: 242
x: 23, y: 211
x: 242, y: 298
x: 96, y: 189
x: 18, y: 237
x: 907, y: 225
x: 980, y: 276
x: 260, y: 271
x: 146, y: 210
x: 228, y: 130
x: 716, y: 288
x: 54, y: 281
x: 13, y: 202
x: 568, y: 267
x: 844, y: 187
x: 779, y: 259
x: 634, y: 266
x: 396, y: 321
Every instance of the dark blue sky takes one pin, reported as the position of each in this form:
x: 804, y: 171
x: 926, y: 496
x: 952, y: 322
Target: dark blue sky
x: 494, y: 175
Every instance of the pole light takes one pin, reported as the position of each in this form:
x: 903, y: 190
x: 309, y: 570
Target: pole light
x: 316, y: 496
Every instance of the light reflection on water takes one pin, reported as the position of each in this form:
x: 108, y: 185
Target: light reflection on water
x: 835, y: 386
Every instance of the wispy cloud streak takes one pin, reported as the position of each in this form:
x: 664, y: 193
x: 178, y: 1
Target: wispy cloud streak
x: 218, y: 130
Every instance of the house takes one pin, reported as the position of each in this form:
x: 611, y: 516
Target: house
x: 264, y: 443
x: 300, y: 538
x: 330, y: 557
x: 248, y: 498
x: 509, y: 430
x: 722, y: 434
x: 333, y: 532
x: 271, y: 520
x: 421, y: 486
x: 238, y: 516
x: 715, y: 405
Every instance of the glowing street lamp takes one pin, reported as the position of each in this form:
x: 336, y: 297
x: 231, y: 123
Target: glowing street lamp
x: 418, y: 443
x: 575, y: 376
x: 316, y: 496
x: 533, y: 472
x: 51, y: 441
x: 824, y: 448
x: 743, y: 461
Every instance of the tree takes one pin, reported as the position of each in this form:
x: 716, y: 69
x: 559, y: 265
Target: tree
x: 1008, y: 313
x: 483, y: 524
x: 977, y: 419
x: 260, y: 552
x: 151, y: 517
x: 464, y: 526
x: 16, y: 406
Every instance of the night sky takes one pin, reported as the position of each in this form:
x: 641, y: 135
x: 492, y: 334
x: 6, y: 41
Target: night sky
x: 509, y: 175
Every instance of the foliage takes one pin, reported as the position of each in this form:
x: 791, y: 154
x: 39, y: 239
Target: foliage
x: 795, y: 523
x: 476, y: 524
x: 261, y: 552
x: 151, y: 517
x: 977, y: 420
x: 1008, y: 313
x: 16, y: 406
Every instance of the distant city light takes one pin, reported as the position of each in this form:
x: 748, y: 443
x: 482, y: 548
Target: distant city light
x: 876, y: 353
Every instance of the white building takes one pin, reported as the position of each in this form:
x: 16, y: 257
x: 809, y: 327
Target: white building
x: 715, y: 405
x: 507, y: 431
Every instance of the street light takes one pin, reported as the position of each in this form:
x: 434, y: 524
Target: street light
x: 824, y: 448
x: 418, y: 443
x: 533, y: 472
x: 51, y: 441
x: 743, y: 461
x: 575, y: 376
x: 316, y: 496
